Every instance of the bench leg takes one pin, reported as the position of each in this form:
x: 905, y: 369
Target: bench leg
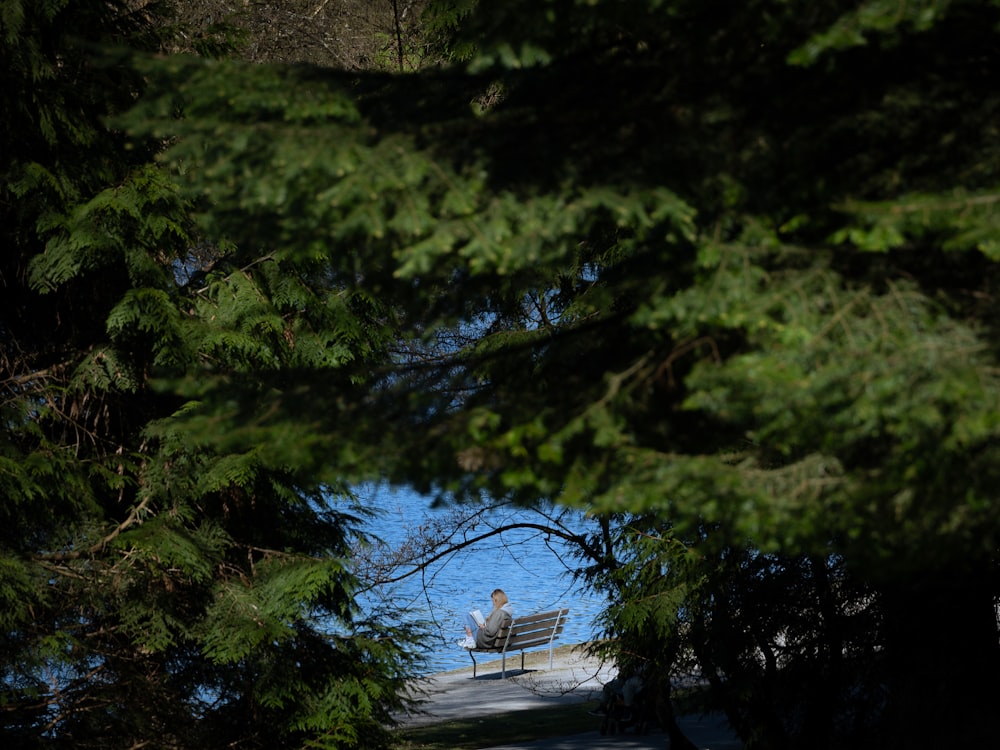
x: 473, y: 664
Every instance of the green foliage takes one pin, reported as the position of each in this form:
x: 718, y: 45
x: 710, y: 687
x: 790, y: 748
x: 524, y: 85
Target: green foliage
x: 165, y: 580
x: 442, y: 20
x: 874, y: 382
x: 963, y: 221
x: 876, y: 17
x: 141, y: 212
x: 727, y: 269
x: 725, y: 274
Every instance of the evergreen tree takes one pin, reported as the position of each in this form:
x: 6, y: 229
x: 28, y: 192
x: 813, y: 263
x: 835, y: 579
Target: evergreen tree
x: 729, y: 264
x: 728, y: 267
x: 174, y: 571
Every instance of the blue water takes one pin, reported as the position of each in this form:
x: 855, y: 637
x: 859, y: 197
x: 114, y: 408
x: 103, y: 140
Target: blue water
x: 531, y: 566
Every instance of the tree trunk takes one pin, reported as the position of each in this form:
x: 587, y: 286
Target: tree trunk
x: 667, y: 718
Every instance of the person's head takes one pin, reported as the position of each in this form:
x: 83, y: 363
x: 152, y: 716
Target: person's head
x: 499, y: 598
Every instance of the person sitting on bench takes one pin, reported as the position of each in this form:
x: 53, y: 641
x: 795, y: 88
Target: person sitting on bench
x: 482, y: 632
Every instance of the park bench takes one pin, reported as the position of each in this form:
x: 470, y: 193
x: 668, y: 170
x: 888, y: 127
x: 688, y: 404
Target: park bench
x: 531, y: 631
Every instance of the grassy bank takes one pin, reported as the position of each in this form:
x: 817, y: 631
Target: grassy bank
x: 500, y: 729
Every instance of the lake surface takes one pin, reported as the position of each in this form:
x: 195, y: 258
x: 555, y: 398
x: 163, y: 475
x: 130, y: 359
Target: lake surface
x: 531, y: 566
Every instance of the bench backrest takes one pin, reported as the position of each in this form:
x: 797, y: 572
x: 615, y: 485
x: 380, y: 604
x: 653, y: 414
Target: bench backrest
x: 534, y: 630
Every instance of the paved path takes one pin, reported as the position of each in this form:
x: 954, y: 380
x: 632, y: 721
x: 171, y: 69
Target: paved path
x: 573, y: 678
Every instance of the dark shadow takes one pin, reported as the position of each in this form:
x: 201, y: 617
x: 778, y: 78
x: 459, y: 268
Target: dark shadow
x: 497, y: 675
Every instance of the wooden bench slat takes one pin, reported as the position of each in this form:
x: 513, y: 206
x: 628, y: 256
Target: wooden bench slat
x: 522, y: 643
x: 541, y: 616
x: 555, y: 627
x: 513, y: 641
x: 515, y: 632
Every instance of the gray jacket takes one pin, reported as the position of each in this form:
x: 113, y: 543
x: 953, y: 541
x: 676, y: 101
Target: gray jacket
x: 496, y: 621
